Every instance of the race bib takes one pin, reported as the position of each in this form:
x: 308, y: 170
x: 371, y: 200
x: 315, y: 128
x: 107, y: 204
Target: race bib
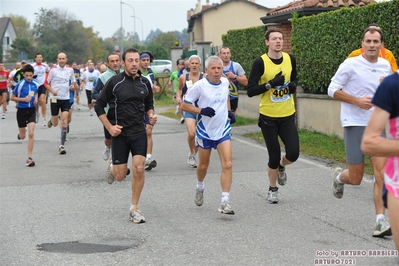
x: 189, y: 84
x: 280, y: 93
x: 31, y: 93
x: 53, y: 100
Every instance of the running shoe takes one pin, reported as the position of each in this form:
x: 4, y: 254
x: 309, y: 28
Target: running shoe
x: 225, y: 208
x: 282, y: 176
x: 49, y: 123
x: 18, y: 137
x: 272, y: 197
x: 127, y: 172
x: 382, y: 228
x: 3, y: 116
x: 91, y: 112
x: 136, y: 217
x: 177, y: 110
x: 149, y: 164
x: 182, y: 120
x: 110, y: 178
x: 191, y: 161
x: 30, y: 162
x: 44, y: 122
x: 61, y: 150
x: 337, y: 188
x: 199, y: 197
x: 106, y: 153
x: 37, y: 117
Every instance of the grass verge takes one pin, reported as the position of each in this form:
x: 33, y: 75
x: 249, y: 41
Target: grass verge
x: 319, y: 145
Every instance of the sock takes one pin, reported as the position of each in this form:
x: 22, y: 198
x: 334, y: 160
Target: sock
x: 63, y: 135
x: 379, y: 216
x: 280, y: 167
x: 134, y: 207
x: 148, y: 156
x: 200, y: 185
x: 225, y: 196
x: 339, y: 181
x: 273, y: 189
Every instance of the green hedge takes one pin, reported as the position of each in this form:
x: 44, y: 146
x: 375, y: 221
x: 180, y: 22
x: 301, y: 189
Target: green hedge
x: 321, y: 42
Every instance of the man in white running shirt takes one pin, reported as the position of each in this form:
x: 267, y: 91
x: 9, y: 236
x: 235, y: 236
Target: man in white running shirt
x: 41, y: 69
x: 354, y: 84
x: 213, y: 129
x: 61, y: 79
x: 88, y: 77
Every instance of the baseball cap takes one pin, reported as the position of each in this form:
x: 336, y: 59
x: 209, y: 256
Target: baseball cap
x: 23, y: 62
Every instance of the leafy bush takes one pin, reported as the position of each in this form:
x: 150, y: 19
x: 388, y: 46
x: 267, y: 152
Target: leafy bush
x: 321, y: 42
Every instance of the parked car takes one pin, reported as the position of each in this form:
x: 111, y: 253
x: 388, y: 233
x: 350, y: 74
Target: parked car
x: 161, y: 66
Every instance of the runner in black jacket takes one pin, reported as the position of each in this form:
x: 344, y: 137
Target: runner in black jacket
x: 130, y: 97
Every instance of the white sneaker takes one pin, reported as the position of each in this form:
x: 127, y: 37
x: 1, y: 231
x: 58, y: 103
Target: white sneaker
x: 136, y: 217
x: 177, y: 110
x: 37, y: 117
x: 91, y: 112
x: 191, y: 161
x: 106, y: 153
x: 44, y: 123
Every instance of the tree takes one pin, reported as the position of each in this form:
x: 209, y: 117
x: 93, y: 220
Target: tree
x: 166, y: 40
x: 159, y: 51
x: 96, y: 52
x: 46, y: 26
x: 49, y: 52
x: 21, y: 45
x: 21, y: 26
x: 64, y: 32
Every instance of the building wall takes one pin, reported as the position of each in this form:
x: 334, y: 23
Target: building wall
x: 216, y: 22
x: 10, y: 35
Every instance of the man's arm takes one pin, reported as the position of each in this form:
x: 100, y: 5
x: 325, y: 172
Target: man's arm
x: 97, y: 89
x: 179, y: 91
x: 241, y: 77
x: 373, y: 143
x: 335, y: 91
x: 253, y: 88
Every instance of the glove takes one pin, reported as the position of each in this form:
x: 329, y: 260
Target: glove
x: 232, y: 117
x: 292, y: 87
x: 207, y: 111
x: 278, y: 80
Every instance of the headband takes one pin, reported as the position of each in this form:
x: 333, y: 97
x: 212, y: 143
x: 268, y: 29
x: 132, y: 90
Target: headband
x: 144, y: 55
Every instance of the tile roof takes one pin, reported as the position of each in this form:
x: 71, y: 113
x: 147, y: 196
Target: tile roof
x: 3, y: 26
x: 300, y: 4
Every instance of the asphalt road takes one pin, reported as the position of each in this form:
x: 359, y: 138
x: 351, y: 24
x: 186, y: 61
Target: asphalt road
x: 63, y: 212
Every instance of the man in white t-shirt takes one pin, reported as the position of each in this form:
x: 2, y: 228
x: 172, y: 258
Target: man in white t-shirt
x: 213, y: 129
x: 61, y: 79
x: 354, y: 84
x: 41, y: 70
x: 88, y: 77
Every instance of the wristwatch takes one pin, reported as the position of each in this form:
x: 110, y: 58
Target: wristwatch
x: 268, y: 87
x: 235, y: 76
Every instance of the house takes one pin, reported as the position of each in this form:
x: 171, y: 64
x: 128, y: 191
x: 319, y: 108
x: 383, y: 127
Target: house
x: 7, y: 36
x: 207, y: 23
x: 281, y: 16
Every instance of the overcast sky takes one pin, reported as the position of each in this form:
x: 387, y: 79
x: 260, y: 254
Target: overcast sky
x: 105, y: 15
